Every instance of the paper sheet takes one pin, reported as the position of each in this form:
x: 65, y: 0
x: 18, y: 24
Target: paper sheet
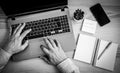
x: 89, y: 26
x: 85, y: 48
x: 107, y: 60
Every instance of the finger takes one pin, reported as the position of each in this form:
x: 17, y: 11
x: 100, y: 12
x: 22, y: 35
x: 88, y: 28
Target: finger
x: 52, y: 42
x: 57, y: 43
x: 25, y: 33
x: 48, y: 43
x: 25, y: 45
x: 45, y: 50
x: 45, y: 59
x: 20, y: 30
x: 17, y: 29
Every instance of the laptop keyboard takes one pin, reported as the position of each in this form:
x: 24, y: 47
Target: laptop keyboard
x: 46, y: 27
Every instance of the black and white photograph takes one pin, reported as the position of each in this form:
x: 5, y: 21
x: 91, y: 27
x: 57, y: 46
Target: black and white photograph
x: 60, y: 36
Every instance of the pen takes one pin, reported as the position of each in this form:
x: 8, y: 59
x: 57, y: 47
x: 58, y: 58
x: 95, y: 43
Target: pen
x: 77, y: 38
x: 104, y: 50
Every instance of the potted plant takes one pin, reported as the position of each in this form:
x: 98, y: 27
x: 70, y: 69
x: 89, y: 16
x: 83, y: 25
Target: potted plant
x: 78, y: 15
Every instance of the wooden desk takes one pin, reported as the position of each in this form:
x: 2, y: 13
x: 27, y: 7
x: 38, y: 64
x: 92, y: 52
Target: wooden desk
x: 107, y: 32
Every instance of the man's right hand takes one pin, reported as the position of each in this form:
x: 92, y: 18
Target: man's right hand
x: 54, y: 51
x: 15, y: 42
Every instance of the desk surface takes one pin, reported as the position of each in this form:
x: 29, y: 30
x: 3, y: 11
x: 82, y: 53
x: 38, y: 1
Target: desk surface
x: 108, y: 32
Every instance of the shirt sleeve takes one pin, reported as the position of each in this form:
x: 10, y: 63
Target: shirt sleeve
x: 4, y: 57
x: 67, y: 66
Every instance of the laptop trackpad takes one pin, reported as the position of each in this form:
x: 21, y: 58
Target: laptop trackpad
x: 32, y: 51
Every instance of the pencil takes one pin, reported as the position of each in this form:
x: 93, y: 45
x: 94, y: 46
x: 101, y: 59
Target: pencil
x: 104, y: 50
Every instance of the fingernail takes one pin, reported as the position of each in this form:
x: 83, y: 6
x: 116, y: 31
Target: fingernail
x: 24, y: 23
x: 27, y: 41
x: 30, y: 29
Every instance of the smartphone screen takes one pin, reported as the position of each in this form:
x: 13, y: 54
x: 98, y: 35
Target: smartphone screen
x: 99, y: 14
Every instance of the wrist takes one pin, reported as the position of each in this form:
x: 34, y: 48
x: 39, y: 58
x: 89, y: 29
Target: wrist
x: 7, y: 50
x: 62, y: 61
x: 67, y: 66
x: 6, y: 53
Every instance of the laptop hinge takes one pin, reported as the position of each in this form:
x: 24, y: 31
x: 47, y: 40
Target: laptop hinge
x: 43, y: 10
x: 63, y: 8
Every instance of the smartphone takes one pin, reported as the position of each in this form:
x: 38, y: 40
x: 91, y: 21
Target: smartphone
x: 100, y: 15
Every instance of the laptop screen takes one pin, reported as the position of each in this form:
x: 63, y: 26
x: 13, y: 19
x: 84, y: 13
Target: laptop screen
x: 13, y: 7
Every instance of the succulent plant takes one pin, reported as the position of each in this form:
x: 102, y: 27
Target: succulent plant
x: 78, y: 14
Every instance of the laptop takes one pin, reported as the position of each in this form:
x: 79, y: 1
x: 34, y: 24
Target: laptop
x: 46, y: 19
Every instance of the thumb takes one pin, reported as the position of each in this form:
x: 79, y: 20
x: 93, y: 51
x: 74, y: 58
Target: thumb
x: 45, y: 50
x: 25, y: 45
x: 45, y: 59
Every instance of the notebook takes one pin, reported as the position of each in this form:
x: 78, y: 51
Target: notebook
x: 89, y: 49
x: 89, y: 26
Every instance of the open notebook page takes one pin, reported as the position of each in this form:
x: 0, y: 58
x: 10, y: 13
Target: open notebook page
x: 107, y: 60
x: 85, y: 48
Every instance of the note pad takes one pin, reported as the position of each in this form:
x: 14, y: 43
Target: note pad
x: 89, y: 26
x: 107, y: 60
x: 85, y: 48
